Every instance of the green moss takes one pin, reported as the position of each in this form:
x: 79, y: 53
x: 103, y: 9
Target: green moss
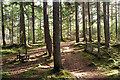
x: 29, y: 73
x: 55, y: 75
x: 5, y: 73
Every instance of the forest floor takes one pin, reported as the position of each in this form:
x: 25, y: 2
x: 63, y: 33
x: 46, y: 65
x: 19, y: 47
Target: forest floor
x: 73, y: 58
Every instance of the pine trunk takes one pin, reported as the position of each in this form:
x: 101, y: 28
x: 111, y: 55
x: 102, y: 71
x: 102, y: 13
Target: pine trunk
x: 28, y: 30
x: 83, y: 15
x: 61, y: 21
x: 23, y: 26
x: 116, y: 17
x: 105, y: 25
x: 56, y: 38
x: 90, y: 37
x: 76, y: 20
x: 12, y: 25
x: 33, y: 22
x: 98, y: 21
x: 48, y: 40
x: 3, y: 27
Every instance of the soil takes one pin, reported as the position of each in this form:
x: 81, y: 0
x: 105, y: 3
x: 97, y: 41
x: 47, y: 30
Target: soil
x: 72, y: 59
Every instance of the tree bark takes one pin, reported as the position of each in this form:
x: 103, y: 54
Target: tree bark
x: 105, y: 25
x: 56, y: 39
x: 61, y: 21
x: 76, y: 20
x: 12, y: 25
x: 98, y: 26
x: 48, y: 40
x: 108, y: 34
x: 70, y: 26
x: 90, y: 37
x: 3, y: 27
x: 23, y: 25
x: 98, y: 21
x: 116, y: 17
x: 33, y: 20
x: 28, y: 30
x: 83, y: 15
x: 111, y: 22
x: 86, y: 26
x: 40, y: 28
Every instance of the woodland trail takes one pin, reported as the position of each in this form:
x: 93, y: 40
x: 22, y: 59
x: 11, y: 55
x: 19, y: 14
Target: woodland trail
x: 72, y: 60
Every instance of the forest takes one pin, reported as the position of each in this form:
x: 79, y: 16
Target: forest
x: 60, y: 39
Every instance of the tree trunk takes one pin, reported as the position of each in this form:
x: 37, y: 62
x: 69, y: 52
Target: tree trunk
x: 105, y: 25
x: 98, y: 26
x: 70, y: 26
x: 56, y: 39
x: 12, y: 25
x: 116, y: 17
x: 61, y: 21
x: 108, y: 34
x: 83, y: 15
x: 76, y: 19
x: 48, y: 40
x: 90, y: 37
x: 92, y: 32
x: 28, y: 30
x: 33, y: 22
x: 111, y: 22
x: 40, y: 28
x: 23, y: 25
x: 3, y: 27
x: 98, y: 21
x: 86, y: 26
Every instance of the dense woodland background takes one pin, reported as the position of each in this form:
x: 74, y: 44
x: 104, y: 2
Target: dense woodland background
x: 93, y: 25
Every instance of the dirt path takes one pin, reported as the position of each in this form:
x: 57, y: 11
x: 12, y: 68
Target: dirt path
x: 72, y: 60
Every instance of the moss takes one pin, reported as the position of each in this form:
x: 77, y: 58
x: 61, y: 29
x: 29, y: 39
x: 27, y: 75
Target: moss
x: 55, y: 75
x: 5, y: 73
x: 29, y: 73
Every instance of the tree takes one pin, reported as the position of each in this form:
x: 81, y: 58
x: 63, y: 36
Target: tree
x: 116, y: 16
x: 111, y: 22
x: 98, y: 21
x: 22, y: 24
x: 76, y: 20
x: 3, y: 27
x: 12, y: 25
x: 108, y: 22
x: 28, y: 29
x: 56, y: 38
x: 61, y: 21
x: 48, y: 40
x: 106, y: 32
x: 90, y: 37
x: 83, y: 15
x: 98, y: 26
x: 33, y: 22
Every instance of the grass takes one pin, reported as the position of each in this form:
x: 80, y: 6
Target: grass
x: 5, y: 73
x: 45, y: 74
x: 29, y: 73
x: 11, y: 50
x: 55, y: 75
x: 8, y: 52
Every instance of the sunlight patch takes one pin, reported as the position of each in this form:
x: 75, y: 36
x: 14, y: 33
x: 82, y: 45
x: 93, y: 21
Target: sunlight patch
x: 78, y: 75
x: 112, y: 72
